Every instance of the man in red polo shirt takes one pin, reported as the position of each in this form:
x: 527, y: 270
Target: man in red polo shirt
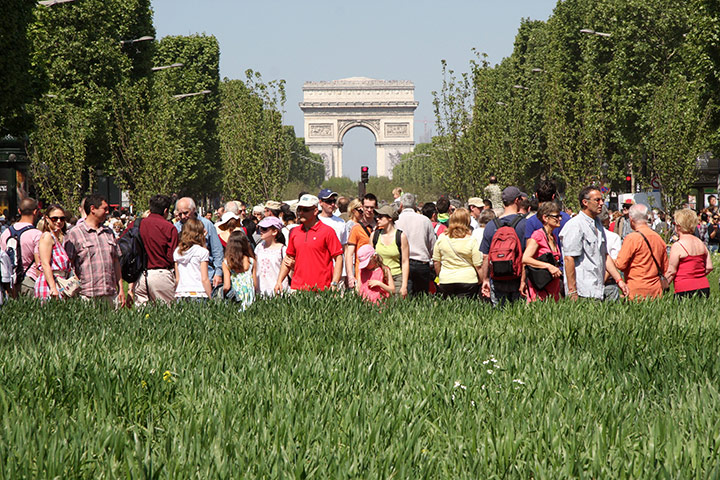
x: 315, y: 250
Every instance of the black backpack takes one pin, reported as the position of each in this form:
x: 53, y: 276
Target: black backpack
x: 14, y: 251
x: 398, y: 240
x: 133, y: 258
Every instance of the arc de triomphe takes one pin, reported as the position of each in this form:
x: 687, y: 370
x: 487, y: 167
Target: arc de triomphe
x: 384, y: 107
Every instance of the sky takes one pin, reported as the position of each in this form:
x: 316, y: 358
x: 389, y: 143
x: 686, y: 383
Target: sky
x: 316, y: 40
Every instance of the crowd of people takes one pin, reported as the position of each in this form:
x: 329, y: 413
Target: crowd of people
x: 508, y: 247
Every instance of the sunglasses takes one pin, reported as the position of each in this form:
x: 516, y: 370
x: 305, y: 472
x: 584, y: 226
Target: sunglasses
x: 305, y: 209
x: 359, y: 210
x: 557, y: 215
x: 263, y: 229
x: 330, y: 200
x: 57, y: 219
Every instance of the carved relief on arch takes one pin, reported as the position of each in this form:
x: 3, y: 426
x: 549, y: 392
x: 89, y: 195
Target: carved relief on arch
x: 396, y: 129
x: 345, y: 125
x: 321, y: 130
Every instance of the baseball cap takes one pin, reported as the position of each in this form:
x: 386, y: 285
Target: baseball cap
x: 510, y: 194
x: 272, y: 205
x: 387, y: 210
x: 364, y: 254
x: 326, y: 193
x: 475, y: 202
x: 270, y: 222
x: 308, y: 200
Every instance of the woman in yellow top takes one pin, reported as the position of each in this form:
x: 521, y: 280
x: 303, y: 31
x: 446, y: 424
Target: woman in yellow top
x: 385, y: 242
x: 457, y: 258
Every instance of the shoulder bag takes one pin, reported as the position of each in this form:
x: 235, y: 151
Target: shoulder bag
x: 541, y: 277
x: 663, y: 281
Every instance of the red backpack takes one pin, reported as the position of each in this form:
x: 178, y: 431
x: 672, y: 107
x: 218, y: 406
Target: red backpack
x: 505, y: 251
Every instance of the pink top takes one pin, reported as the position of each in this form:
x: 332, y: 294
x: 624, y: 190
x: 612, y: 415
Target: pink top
x: 553, y: 288
x: 691, y: 273
x: 373, y: 294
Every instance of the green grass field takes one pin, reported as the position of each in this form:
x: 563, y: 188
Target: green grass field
x: 322, y: 387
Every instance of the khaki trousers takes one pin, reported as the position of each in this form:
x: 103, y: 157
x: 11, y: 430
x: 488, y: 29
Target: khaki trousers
x: 159, y: 284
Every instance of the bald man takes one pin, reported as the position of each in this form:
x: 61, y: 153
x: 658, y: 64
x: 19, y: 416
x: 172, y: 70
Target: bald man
x: 186, y: 209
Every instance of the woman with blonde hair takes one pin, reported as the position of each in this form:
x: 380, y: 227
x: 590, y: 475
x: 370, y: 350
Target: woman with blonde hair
x: 191, y: 263
x: 457, y: 258
x: 690, y: 261
x: 50, y: 253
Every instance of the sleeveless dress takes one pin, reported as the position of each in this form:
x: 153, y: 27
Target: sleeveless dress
x: 242, y: 287
x: 553, y: 288
x: 373, y: 294
x: 269, y: 262
x: 691, y: 273
x: 60, y: 264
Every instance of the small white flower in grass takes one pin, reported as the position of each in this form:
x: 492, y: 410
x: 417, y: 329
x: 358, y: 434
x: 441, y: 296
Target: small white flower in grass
x: 486, y: 362
x: 460, y: 385
x: 483, y: 387
x: 490, y: 372
x: 452, y: 397
x: 472, y: 402
x: 518, y: 381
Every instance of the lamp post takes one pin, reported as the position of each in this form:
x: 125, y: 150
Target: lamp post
x: 50, y: 3
x: 590, y: 31
x: 136, y: 40
x: 185, y: 95
x: 165, y: 67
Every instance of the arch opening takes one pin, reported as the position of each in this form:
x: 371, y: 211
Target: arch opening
x: 358, y: 149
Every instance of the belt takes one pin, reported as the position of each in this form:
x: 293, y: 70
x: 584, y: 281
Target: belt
x: 420, y: 261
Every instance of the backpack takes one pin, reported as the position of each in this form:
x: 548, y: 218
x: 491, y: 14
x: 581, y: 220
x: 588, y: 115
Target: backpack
x: 133, y: 258
x: 398, y: 240
x: 505, y: 251
x: 14, y: 252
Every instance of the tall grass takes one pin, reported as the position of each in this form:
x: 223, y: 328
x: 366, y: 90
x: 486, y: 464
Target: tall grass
x: 323, y: 387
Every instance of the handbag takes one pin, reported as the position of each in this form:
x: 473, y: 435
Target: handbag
x: 541, y: 277
x: 68, y: 287
x: 663, y: 281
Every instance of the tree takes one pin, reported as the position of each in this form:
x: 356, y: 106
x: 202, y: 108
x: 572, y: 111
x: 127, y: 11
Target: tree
x: 57, y: 155
x: 254, y: 149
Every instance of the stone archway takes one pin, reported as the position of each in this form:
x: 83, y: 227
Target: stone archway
x: 384, y: 107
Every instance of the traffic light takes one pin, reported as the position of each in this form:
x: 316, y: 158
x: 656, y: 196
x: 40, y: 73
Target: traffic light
x: 628, y: 183
x: 364, y: 174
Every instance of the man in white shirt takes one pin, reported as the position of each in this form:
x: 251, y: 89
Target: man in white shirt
x: 328, y: 201
x: 614, y: 243
x: 421, y: 240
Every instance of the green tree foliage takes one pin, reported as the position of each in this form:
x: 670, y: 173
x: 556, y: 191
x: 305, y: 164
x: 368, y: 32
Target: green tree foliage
x: 414, y: 173
x: 16, y: 88
x: 164, y: 144
x: 196, y: 116
x: 342, y: 185
x: 254, y: 147
x: 585, y: 108
x: 77, y: 57
x: 58, y: 152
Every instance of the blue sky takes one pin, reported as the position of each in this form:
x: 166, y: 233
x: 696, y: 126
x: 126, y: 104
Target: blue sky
x: 328, y: 40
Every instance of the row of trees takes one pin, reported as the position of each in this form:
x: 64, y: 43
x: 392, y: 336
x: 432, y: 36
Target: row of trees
x: 80, y: 85
x: 582, y: 106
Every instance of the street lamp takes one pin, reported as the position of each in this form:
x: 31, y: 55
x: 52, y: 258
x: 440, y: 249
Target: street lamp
x: 184, y: 95
x: 590, y: 31
x: 135, y: 40
x: 50, y: 3
x: 163, y: 67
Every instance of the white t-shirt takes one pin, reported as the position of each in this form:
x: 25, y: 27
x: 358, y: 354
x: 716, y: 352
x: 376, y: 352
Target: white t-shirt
x: 478, y: 233
x: 188, y: 266
x: 614, y: 243
x: 337, y: 224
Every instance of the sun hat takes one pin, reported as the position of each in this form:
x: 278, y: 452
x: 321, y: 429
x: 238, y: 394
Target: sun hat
x: 364, y: 255
x: 271, y: 222
x: 326, y: 193
x: 226, y: 217
x: 272, y: 205
x: 388, y: 211
x: 308, y: 200
x: 475, y: 202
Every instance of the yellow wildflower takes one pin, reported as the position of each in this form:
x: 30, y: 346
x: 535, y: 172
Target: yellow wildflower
x: 167, y: 376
